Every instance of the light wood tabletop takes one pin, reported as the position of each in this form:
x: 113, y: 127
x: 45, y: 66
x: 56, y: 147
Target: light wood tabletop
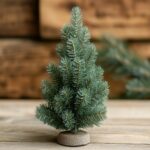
x: 127, y: 127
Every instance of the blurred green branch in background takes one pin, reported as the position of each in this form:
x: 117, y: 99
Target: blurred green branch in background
x: 115, y: 57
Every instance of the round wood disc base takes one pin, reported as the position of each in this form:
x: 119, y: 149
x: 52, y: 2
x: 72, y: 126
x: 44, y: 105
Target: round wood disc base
x: 73, y: 139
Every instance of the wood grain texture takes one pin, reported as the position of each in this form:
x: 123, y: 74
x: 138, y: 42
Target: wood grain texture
x: 127, y: 19
x: 18, y: 18
x: 23, y: 66
x: 54, y: 146
x: 127, y: 127
x: 141, y: 48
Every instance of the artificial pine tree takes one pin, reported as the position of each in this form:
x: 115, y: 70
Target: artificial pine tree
x: 77, y: 93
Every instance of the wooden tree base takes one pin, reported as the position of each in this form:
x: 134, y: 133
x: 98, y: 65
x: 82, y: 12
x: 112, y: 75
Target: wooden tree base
x: 73, y: 139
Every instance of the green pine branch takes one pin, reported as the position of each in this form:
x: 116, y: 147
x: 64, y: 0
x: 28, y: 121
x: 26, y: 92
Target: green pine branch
x: 138, y: 88
x: 116, y: 57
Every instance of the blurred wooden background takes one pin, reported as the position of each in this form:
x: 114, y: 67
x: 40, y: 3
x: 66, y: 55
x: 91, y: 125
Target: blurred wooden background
x: 30, y: 30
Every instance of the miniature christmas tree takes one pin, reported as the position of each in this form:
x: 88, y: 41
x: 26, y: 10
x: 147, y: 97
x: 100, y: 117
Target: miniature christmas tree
x: 77, y: 94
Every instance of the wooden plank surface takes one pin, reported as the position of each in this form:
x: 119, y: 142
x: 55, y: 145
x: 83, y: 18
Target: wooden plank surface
x: 127, y: 19
x: 127, y: 127
x: 18, y: 18
x: 23, y: 64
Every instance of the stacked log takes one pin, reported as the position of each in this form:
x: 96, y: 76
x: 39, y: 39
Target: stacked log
x: 30, y: 30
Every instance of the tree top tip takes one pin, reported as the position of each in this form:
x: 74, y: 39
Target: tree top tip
x: 76, y: 8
